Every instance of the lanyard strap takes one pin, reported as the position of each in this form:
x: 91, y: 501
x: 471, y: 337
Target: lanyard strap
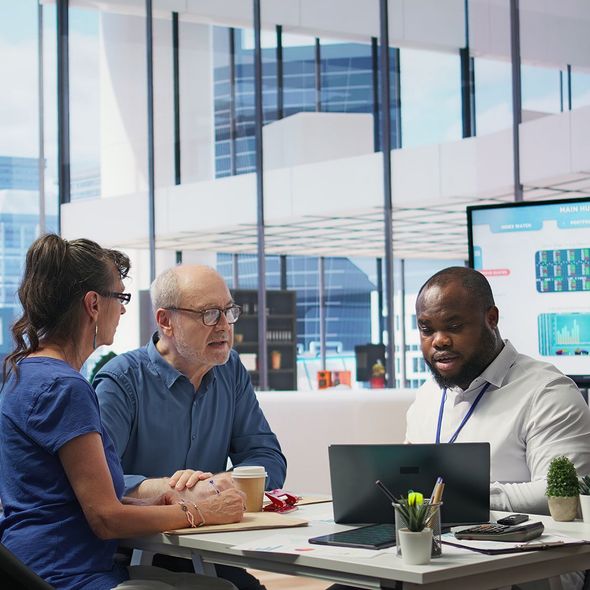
x: 465, y: 418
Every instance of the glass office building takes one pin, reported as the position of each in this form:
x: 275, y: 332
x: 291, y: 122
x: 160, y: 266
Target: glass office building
x: 451, y: 114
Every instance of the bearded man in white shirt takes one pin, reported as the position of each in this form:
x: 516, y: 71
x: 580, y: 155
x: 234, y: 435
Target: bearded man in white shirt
x: 483, y: 390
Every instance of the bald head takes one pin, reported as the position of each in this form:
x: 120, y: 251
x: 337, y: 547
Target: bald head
x: 458, y: 324
x: 475, y: 285
x: 181, y: 298
x: 175, y: 286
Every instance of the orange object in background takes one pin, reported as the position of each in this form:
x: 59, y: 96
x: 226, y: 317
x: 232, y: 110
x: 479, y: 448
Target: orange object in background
x: 324, y: 379
x: 377, y: 380
x: 341, y: 378
x: 275, y: 360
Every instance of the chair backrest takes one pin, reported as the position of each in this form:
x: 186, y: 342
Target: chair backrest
x: 16, y: 575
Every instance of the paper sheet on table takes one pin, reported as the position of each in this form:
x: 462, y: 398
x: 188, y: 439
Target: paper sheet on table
x: 252, y: 521
x: 292, y: 545
x: 545, y: 541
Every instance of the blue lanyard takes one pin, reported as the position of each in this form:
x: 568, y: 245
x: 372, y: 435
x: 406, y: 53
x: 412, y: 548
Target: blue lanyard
x: 465, y: 418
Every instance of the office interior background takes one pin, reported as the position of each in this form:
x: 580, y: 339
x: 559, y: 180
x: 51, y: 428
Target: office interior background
x: 80, y: 154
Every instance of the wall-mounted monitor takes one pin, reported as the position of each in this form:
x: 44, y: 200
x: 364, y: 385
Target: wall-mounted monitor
x: 536, y: 256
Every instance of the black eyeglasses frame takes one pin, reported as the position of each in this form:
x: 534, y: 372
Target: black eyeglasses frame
x: 202, y: 313
x: 124, y: 298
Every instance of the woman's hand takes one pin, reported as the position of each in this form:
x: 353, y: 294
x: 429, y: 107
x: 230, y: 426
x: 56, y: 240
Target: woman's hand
x: 187, y: 478
x: 164, y: 499
x: 225, y: 507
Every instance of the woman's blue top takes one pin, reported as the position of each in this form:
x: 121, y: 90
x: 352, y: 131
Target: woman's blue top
x: 44, y: 525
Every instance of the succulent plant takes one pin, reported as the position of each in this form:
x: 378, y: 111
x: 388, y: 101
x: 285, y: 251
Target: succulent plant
x: 415, y: 513
x: 562, y: 478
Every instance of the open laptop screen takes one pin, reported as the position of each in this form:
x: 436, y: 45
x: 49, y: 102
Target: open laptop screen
x: 464, y: 467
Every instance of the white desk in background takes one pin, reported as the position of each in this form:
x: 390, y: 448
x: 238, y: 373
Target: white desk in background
x: 456, y: 568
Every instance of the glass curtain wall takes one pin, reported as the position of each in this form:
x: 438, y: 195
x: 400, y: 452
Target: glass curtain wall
x: 204, y: 129
x: 580, y: 87
x: 493, y: 98
x: 541, y: 91
x: 85, y: 103
x: 333, y: 77
x: 109, y: 137
x: 345, y: 84
x: 430, y: 97
x: 22, y: 173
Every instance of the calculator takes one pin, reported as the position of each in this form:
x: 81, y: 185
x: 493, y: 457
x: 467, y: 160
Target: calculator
x: 502, y: 532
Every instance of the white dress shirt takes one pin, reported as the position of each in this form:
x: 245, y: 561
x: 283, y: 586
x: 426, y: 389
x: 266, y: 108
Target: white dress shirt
x: 529, y: 414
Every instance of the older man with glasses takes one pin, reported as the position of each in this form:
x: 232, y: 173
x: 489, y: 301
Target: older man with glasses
x: 179, y: 407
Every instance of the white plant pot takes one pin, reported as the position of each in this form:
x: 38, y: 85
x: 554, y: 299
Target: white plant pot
x: 563, y: 508
x: 585, y: 506
x: 416, y: 547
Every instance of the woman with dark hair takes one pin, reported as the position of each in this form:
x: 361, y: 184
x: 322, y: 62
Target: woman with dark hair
x: 60, y: 479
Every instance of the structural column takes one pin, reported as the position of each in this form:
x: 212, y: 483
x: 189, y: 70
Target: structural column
x: 387, y: 201
x: 63, y: 107
x: 262, y: 355
x: 516, y: 94
x: 149, y: 52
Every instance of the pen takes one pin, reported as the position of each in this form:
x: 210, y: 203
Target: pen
x: 438, y: 494
x: 384, y: 489
x: 439, y: 481
x: 435, y: 499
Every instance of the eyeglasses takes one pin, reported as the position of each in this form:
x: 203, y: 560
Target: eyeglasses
x: 212, y: 315
x: 124, y: 298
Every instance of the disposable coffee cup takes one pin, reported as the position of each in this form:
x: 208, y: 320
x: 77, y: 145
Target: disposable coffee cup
x: 251, y: 480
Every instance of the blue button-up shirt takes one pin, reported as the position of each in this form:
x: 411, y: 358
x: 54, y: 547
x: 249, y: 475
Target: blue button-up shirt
x: 159, y: 423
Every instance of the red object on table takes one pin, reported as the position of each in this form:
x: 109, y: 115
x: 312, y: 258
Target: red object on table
x: 281, y: 501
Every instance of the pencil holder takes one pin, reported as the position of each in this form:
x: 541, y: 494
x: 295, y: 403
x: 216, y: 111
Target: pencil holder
x: 433, y: 522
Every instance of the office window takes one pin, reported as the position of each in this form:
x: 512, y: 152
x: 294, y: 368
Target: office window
x: 268, y: 44
x: 244, y: 84
x: 540, y: 91
x: 298, y: 73
x: 248, y: 271
x: 20, y: 172
x: 85, y: 112
x: 580, y: 88
x: 243, y: 146
x: 346, y: 77
x: 430, y: 97
x: 222, y: 103
x: 493, y: 95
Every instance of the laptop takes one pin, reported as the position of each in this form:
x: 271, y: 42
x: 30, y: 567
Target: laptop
x: 464, y: 467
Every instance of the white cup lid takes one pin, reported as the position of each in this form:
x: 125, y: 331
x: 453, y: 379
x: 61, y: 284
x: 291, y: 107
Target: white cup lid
x: 249, y: 471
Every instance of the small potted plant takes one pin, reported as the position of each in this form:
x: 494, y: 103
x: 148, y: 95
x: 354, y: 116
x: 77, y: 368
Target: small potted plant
x: 563, y: 489
x: 413, y: 516
x: 585, y: 498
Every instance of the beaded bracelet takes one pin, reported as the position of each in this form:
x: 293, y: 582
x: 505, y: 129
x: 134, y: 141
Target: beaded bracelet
x: 189, y: 514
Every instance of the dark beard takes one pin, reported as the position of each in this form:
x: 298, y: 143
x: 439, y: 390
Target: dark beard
x: 473, y: 368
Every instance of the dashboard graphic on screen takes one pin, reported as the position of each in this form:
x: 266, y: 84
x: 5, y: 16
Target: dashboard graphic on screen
x: 558, y: 271
x: 564, y: 334
x: 536, y: 256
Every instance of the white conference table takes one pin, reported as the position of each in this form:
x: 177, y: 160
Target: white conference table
x: 456, y: 568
